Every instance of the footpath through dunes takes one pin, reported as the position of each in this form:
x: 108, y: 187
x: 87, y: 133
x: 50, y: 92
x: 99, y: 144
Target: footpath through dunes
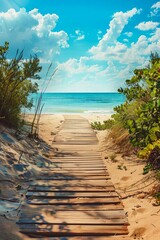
x: 74, y: 198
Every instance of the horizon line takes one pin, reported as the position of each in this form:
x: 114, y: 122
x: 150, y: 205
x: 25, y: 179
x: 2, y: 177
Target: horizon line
x: 80, y: 92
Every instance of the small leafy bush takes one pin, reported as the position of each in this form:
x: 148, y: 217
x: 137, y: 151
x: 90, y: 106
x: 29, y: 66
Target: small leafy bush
x: 16, y: 84
x: 140, y: 114
x: 102, y: 126
x: 147, y: 168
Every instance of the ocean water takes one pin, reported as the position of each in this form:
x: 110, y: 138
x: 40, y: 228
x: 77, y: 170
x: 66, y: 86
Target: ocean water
x: 98, y: 103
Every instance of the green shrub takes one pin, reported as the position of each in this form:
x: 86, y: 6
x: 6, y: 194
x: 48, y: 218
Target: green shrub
x: 16, y: 84
x: 139, y: 116
x: 102, y: 126
x: 143, y: 98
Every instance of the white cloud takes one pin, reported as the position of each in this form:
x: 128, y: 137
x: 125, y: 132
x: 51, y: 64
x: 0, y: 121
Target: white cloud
x: 109, y: 40
x: 155, y: 37
x: 156, y: 8
x: 99, y: 34
x: 32, y: 31
x: 156, y: 5
x: 74, y: 66
x: 135, y: 53
x: 128, y: 34
x: 145, y: 26
x: 79, y: 35
x: 111, y: 61
x: 125, y: 40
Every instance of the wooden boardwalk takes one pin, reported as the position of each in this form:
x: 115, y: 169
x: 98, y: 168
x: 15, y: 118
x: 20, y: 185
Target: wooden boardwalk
x: 74, y: 198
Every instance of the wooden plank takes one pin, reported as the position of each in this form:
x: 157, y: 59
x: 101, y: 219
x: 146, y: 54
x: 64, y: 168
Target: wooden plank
x: 74, y: 147
x: 76, y: 137
x: 77, y: 134
x: 69, y: 188
x: 81, y: 154
x: 75, y: 168
x: 76, y: 173
x: 66, y: 177
x: 73, y: 197
x: 75, y: 163
x: 75, y: 207
x: 40, y: 219
x: 86, y: 200
x: 87, y: 159
x: 91, y: 237
x: 71, y: 149
x: 71, y: 177
x: 68, y: 143
x: 53, y: 216
x: 70, y: 230
x: 88, y: 183
x: 74, y: 157
x: 71, y: 194
x: 65, y: 161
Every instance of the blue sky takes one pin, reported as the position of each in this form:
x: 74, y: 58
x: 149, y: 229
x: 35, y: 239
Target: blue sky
x: 96, y: 44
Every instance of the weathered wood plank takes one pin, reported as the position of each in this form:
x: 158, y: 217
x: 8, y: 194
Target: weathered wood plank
x: 69, y: 143
x: 79, y: 160
x: 86, y: 200
x: 72, y: 172
x: 90, y: 169
x: 71, y: 230
x: 91, y: 237
x: 73, y: 207
x: 76, y: 164
x: 74, y: 217
x: 88, y: 183
x: 71, y: 194
x: 55, y: 220
x: 73, y: 198
x: 69, y: 188
x: 67, y: 177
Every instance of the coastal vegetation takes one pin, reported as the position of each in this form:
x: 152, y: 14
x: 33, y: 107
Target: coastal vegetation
x: 102, y: 126
x: 136, y: 123
x: 16, y: 84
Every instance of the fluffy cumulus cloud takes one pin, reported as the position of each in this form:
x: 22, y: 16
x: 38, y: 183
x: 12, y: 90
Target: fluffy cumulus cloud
x: 145, y: 26
x: 85, y: 74
x: 135, y: 53
x: 32, y: 32
x: 109, y: 44
x: 155, y: 9
x: 112, y: 60
x: 74, y: 67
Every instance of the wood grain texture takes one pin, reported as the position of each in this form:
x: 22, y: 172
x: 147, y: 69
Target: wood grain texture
x: 73, y: 197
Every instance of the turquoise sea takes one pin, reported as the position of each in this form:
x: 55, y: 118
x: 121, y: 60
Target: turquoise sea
x: 98, y: 103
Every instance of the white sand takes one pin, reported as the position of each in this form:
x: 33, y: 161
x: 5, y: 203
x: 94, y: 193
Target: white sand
x: 126, y: 174
x: 143, y: 216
